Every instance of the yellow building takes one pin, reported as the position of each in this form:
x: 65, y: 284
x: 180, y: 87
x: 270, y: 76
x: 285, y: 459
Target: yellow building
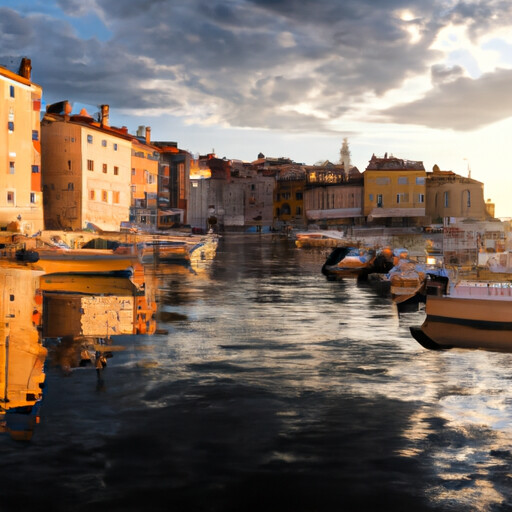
x: 394, y: 192
x: 86, y: 170
x: 289, y: 197
x: 144, y: 192
x: 21, y: 206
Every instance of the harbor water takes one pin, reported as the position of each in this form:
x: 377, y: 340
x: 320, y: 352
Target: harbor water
x: 269, y: 387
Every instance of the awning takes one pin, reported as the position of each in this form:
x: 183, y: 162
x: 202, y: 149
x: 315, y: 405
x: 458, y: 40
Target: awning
x: 378, y: 213
x: 334, y: 213
x: 172, y: 211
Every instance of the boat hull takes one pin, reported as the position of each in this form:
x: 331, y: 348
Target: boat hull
x: 466, y: 323
x: 83, y: 261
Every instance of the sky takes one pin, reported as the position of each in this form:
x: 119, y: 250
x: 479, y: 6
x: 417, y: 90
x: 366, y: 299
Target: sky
x: 418, y: 79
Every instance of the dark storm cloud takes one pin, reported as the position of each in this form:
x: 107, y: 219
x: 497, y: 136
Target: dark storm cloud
x: 464, y: 104
x: 241, y: 61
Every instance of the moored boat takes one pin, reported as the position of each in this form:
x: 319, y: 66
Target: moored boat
x: 348, y: 262
x: 475, y: 314
x: 326, y: 238
x: 87, y: 261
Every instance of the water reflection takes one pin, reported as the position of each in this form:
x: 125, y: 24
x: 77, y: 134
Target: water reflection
x: 72, y: 318
x: 263, y: 386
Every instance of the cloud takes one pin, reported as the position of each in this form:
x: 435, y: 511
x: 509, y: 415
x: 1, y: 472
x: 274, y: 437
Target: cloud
x: 245, y: 62
x: 464, y: 104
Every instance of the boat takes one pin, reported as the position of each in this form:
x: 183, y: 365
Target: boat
x: 55, y: 260
x: 164, y: 250
x: 327, y: 238
x: 348, y: 261
x: 473, y: 314
x: 409, y: 281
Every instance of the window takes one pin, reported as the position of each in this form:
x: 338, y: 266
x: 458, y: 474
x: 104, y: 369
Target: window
x: 446, y: 199
x: 105, y: 168
x: 382, y: 181
x: 71, y: 186
x: 10, y: 126
x: 252, y: 187
x: 115, y: 197
x: 35, y: 169
x: 11, y: 91
x: 403, y: 180
x: 115, y: 147
x: 32, y: 197
x: 90, y: 165
x: 11, y: 167
x: 370, y: 197
x: 116, y: 170
x: 469, y: 199
x: 92, y: 195
x: 104, y: 143
x: 72, y: 139
x: 298, y: 210
x: 298, y: 195
x: 10, y: 197
x: 35, y: 135
x: 89, y: 139
x: 379, y: 200
x: 133, y: 171
x: 104, y: 196
x: 420, y: 180
x: 421, y: 198
x: 402, y: 198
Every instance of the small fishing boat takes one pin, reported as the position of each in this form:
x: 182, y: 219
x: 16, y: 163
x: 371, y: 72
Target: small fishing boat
x: 326, y: 238
x: 164, y: 250
x: 473, y: 314
x: 348, y: 262
x: 55, y: 260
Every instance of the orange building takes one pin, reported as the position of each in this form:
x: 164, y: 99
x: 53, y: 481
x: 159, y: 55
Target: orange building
x: 21, y: 205
x: 86, y: 169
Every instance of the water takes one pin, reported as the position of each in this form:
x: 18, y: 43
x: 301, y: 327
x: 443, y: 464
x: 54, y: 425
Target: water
x: 270, y: 388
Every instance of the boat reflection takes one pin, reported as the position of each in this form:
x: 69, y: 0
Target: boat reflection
x: 68, y: 320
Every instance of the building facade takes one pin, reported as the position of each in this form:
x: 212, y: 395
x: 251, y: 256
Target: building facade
x: 289, y: 197
x: 450, y: 195
x: 86, y: 170
x: 394, y: 192
x: 21, y: 202
x: 174, y: 184
x: 144, y: 180
x: 333, y: 196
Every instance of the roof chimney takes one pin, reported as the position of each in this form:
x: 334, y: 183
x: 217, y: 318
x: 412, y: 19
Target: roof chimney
x: 148, y: 135
x: 140, y: 131
x: 25, y: 68
x: 104, y: 115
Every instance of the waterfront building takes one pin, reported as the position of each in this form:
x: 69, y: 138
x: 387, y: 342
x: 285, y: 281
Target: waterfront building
x: 451, y: 196
x: 174, y: 184
x: 289, y: 197
x: 333, y: 196
x: 21, y: 202
x: 144, y: 180
x: 86, y: 170
x: 394, y: 192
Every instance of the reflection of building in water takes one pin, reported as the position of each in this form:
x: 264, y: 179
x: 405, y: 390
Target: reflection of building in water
x: 99, y: 306
x: 22, y: 355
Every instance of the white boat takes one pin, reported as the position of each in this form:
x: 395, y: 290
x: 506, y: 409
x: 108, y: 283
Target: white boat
x: 474, y: 314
